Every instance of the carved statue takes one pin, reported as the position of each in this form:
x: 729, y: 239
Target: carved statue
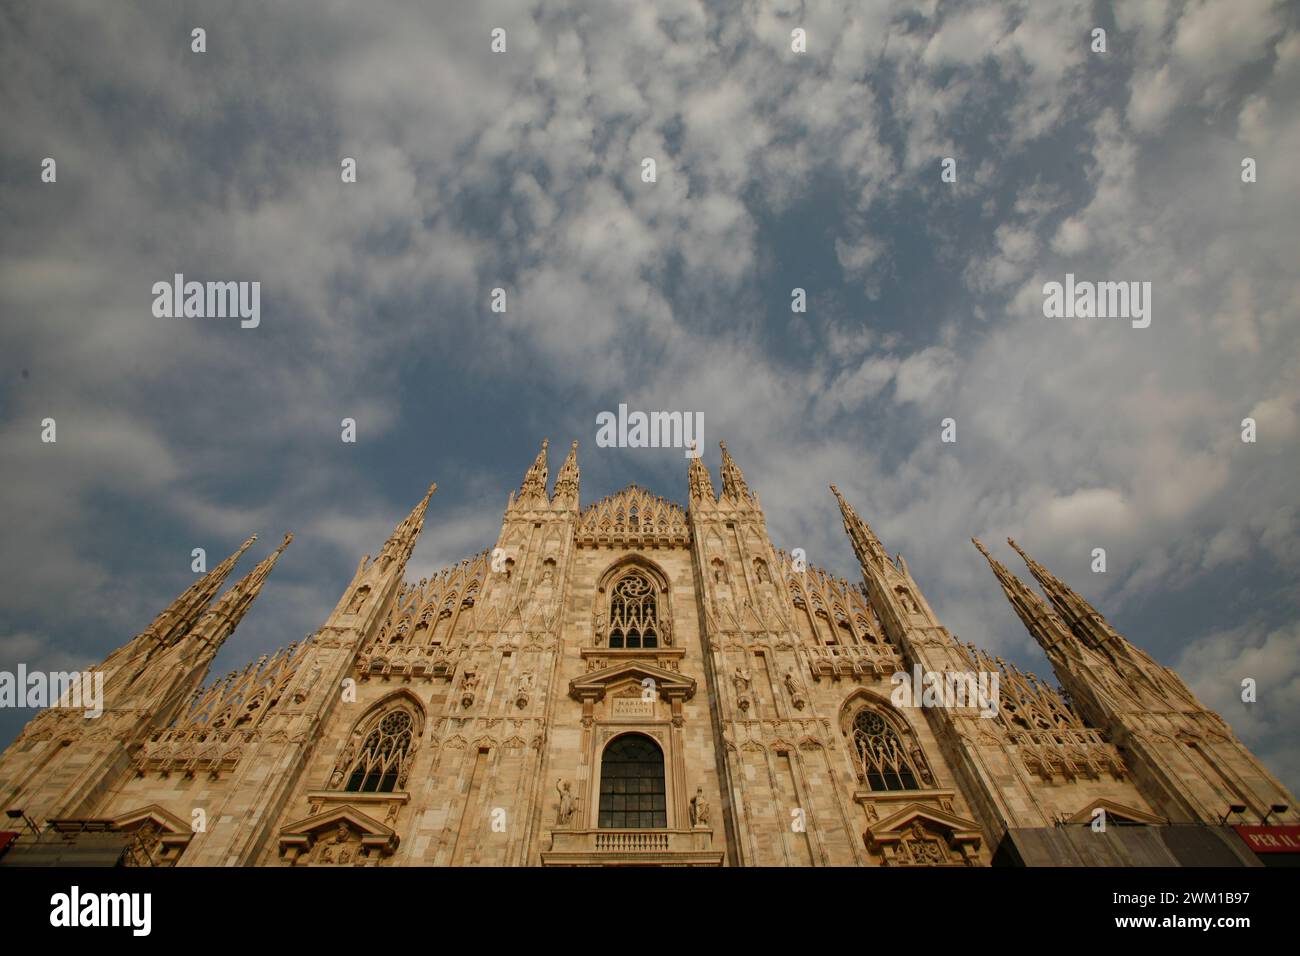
x: 313, y: 677
x: 795, y: 689
x: 909, y: 602
x: 918, y: 758
x: 741, y: 679
x: 699, y: 809
x: 567, y: 806
x: 792, y: 682
x: 523, y: 687
x: 345, y: 761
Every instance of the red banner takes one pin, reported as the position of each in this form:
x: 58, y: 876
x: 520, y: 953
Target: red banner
x: 6, y: 837
x: 1284, y: 839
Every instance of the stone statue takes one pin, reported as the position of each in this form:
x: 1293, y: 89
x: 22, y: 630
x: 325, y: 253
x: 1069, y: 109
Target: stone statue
x: 567, y: 806
x: 699, y: 809
x: 795, y: 689
x: 523, y: 687
x: 741, y: 679
x: 313, y: 676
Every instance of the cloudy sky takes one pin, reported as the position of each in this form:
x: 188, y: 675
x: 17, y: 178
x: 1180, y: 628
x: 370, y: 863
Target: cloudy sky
x: 775, y: 170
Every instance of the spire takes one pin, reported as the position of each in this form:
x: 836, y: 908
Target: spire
x: 566, y: 482
x: 185, y: 611
x: 1039, y: 619
x: 866, y: 546
x: 535, y: 480
x: 1081, y: 617
x: 401, y: 542
x: 699, y: 481
x: 222, y: 618
x: 733, y: 480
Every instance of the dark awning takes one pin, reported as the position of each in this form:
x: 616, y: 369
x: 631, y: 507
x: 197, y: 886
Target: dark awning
x: 62, y: 849
x: 1173, y: 845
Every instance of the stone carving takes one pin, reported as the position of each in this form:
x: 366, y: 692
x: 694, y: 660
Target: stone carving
x: 567, y: 806
x: 145, y: 846
x: 741, y: 679
x: 358, y: 599
x: 909, y: 602
x: 918, y: 848
x: 468, y: 684
x: 335, y: 851
x: 523, y: 688
x: 795, y: 689
x: 313, y: 677
x: 922, y: 767
x: 345, y: 760
x: 699, y: 809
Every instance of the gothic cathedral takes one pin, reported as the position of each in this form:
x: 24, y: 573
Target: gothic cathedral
x: 633, y: 682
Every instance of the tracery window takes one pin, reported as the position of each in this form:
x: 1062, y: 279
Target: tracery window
x: 633, y: 612
x: 632, y: 790
x: 380, y: 766
x: 886, y: 762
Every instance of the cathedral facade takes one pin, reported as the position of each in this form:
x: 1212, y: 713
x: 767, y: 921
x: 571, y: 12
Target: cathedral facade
x: 632, y: 682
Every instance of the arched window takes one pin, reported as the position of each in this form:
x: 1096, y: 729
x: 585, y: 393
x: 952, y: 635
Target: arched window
x: 632, y: 792
x: 380, y: 766
x: 886, y: 762
x: 633, y: 620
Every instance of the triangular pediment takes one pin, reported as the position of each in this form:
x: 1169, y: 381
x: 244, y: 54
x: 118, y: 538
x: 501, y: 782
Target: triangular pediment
x: 162, y: 817
x: 331, y: 831
x: 596, y: 684
x: 346, y: 814
x: 1118, y: 811
x: 958, y: 828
